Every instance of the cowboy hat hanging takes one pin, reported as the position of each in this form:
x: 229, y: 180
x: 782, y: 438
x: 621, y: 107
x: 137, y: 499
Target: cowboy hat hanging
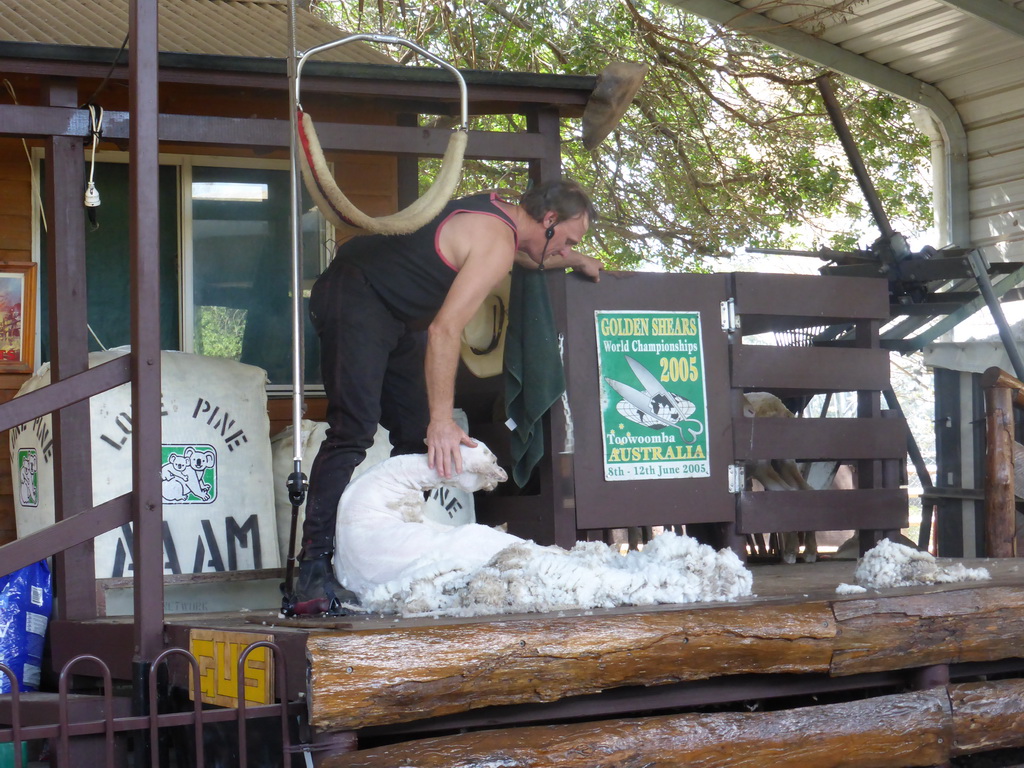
x: 329, y: 198
x: 616, y: 86
x: 483, y: 339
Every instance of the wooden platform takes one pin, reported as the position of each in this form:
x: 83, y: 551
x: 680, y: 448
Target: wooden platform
x: 796, y: 637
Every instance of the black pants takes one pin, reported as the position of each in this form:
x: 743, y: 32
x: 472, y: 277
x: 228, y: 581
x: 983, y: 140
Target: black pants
x: 372, y: 367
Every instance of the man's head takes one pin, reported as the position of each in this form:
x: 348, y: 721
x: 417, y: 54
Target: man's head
x: 566, y: 199
x: 564, y: 212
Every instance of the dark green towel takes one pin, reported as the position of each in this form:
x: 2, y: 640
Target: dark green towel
x: 534, y: 379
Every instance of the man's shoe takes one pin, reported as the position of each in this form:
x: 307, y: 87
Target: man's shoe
x: 316, y: 582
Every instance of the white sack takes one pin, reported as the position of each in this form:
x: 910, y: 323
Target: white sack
x: 217, y: 504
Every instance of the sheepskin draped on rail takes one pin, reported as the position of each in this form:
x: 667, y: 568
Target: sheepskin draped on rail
x: 341, y: 212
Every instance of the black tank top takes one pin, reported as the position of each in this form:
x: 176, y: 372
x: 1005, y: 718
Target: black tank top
x: 408, y: 271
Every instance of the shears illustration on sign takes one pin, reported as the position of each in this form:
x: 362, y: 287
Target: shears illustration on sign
x: 655, y: 406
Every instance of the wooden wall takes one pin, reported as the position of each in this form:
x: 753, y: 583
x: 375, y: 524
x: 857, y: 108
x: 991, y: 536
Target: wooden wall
x: 280, y: 412
x: 15, y: 245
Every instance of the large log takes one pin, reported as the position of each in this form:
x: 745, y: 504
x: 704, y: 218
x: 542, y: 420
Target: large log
x: 987, y: 716
x: 912, y: 729
x: 1000, y: 503
x: 375, y: 677
x: 363, y: 678
x: 943, y: 627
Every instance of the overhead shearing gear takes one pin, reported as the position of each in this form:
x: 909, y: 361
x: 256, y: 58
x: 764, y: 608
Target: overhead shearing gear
x: 329, y: 198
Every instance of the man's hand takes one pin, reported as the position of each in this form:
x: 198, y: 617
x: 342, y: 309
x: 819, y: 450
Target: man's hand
x: 586, y: 265
x: 567, y: 258
x: 443, y: 441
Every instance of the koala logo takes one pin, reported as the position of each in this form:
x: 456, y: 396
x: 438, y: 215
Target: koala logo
x: 189, y: 474
x: 28, y: 477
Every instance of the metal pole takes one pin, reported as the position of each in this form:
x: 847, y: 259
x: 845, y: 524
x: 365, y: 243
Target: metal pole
x: 388, y: 40
x: 296, y: 483
x: 980, y: 269
x: 917, y: 459
x: 860, y: 170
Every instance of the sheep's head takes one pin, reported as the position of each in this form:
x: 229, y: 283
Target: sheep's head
x: 764, y: 404
x: 480, y: 470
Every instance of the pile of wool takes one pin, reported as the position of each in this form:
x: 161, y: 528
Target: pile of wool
x: 850, y: 589
x: 890, y: 564
x: 526, y: 577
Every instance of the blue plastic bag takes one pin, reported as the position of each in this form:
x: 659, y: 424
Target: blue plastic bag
x: 26, y: 600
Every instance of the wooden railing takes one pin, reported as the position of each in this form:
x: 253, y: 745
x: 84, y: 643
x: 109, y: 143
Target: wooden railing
x: 874, y: 441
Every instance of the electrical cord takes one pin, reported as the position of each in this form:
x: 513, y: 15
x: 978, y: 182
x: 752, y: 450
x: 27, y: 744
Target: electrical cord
x: 113, y: 64
x: 92, y: 195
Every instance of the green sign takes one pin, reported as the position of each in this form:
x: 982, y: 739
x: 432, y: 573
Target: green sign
x: 188, y: 474
x: 28, y: 477
x: 653, y: 400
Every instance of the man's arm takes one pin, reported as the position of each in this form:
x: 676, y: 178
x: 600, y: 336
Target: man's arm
x: 565, y: 259
x: 487, y: 261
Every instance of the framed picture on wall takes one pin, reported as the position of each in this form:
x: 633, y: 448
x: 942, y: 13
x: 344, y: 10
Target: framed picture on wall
x: 17, y: 316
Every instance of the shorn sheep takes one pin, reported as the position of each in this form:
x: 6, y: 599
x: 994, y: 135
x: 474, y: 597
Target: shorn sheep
x: 374, y: 542
x: 779, y: 474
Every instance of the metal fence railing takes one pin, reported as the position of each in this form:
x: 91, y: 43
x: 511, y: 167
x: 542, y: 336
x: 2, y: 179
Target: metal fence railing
x: 70, y: 728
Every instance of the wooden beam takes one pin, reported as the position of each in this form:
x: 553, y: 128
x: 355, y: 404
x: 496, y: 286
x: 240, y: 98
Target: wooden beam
x: 987, y: 716
x: 60, y: 394
x: 76, y: 528
x: 944, y: 627
x: 808, y: 296
x: 363, y: 678
x: 25, y: 121
x: 881, y: 508
x: 370, y: 677
x: 144, y: 252
x: 803, y: 439
x: 910, y: 729
x: 997, y: 377
x: 822, y: 369
x: 568, y: 93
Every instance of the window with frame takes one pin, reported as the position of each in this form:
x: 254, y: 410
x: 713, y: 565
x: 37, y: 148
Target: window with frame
x: 225, y: 263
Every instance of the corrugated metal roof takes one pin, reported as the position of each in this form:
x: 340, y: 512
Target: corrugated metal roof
x: 972, y: 51
x: 251, y: 28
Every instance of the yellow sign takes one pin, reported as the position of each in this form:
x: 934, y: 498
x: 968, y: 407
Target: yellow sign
x: 218, y: 652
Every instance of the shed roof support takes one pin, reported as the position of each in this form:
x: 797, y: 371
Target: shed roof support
x: 995, y: 12
x: 145, y: 331
x: 878, y: 75
x: 65, y: 257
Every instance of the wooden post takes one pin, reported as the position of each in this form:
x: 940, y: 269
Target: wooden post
x: 69, y: 350
x: 1000, y: 509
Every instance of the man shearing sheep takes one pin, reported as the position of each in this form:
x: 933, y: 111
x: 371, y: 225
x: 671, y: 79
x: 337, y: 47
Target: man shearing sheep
x: 369, y: 309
